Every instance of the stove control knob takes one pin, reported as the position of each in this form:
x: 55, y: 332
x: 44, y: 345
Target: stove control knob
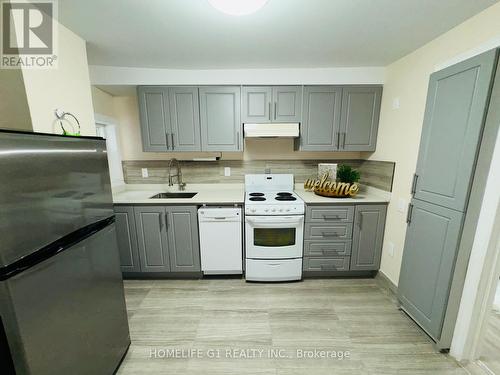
x: 253, y: 210
x: 281, y: 210
x: 273, y: 210
x: 287, y: 209
x: 267, y: 209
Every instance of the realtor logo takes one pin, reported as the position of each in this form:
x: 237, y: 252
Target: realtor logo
x: 28, y: 34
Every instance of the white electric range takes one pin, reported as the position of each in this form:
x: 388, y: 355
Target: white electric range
x: 274, y: 228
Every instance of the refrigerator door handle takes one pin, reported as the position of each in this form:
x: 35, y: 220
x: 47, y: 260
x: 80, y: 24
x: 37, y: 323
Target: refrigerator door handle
x: 409, y: 214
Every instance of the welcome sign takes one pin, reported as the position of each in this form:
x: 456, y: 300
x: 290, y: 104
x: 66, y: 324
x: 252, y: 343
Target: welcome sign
x: 328, y: 188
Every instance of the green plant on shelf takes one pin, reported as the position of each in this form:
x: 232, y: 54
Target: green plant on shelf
x: 347, y: 174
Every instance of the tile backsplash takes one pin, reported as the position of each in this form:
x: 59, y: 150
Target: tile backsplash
x: 378, y: 174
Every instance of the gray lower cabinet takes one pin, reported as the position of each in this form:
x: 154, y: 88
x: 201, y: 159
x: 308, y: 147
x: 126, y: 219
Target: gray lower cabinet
x: 368, y: 235
x: 152, y: 238
x: 264, y: 104
x: 127, y: 239
x: 220, y: 118
x: 183, y: 238
x: 343, y: 238
x: 360, y: 117
x: 431, y: 245
x: 158, y: 239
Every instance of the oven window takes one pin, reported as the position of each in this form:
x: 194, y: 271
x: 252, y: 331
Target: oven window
x: 274, y: 237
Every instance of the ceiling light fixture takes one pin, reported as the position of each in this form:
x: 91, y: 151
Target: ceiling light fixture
x: 238, y: 7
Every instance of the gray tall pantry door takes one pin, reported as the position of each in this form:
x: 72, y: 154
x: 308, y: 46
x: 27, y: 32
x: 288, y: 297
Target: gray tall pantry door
x: 457, y: 102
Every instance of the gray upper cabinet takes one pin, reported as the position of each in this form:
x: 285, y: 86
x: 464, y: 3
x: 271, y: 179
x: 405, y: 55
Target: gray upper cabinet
x: 264, y: 104
x: 257, y: 104
x: 154, y: 117
x: 453, y: 123
x: 152, y: 238
x: 127, y: 239
x: 183, y: 239
x: 185, y: 119
x: 287, y: 104
x: 220, y: 118
x: 368, y: 234
x: 360, y: 117
x: 321, y: 119
x: 429, y: 255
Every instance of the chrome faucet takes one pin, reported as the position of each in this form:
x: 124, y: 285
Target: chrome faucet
x: 182, y: 185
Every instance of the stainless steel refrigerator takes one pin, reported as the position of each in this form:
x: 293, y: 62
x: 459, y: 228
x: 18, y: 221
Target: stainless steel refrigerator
x: 460, y: 125
x: 62, y: 306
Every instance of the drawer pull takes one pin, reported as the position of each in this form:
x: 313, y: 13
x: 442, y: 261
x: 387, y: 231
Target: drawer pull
x: 328, y: 267
x: 330, y: 217
x: 329, y: 234
x: 328, y: 252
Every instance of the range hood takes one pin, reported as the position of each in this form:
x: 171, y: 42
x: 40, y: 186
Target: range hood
x: 289, y: 130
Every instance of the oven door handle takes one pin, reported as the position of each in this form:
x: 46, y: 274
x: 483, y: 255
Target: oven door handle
x: 268, y: 222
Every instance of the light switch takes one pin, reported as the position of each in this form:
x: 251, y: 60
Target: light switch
x: 395, y: 103
x: 145, y: 173
x: 390, y: 249
x: 401, y: 205
x: 227, y: 171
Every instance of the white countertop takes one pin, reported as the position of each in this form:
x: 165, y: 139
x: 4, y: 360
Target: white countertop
x: 206, y: 194
x: 366, y: 195
x: 230, y: 194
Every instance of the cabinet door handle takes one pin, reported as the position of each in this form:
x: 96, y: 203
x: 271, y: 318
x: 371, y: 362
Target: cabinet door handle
x: 166, y: 220
x: 160, y: 222
x: 338, y: 140
x: 168, y: 145
x: 409, y: 214
x: 269, y: 110
x: 172, y: 137
x: 343, y: 140
x: 414, y: 184
x: 275, y: 106
x: 360, y: 220
x: 328, y: 252
x: 238, y: 140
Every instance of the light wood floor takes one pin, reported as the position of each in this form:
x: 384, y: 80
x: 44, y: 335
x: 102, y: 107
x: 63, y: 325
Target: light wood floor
x: 354, y: 315
x: 490, y: 351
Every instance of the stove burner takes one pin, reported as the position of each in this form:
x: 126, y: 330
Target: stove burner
x: 283, y: 194
x: 256, y: 194
x: 285, y: 198
x: 257, y: 198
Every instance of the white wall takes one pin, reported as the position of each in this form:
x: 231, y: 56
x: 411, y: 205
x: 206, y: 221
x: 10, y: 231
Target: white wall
x: 400, y: 128
x: 14, y: 111
x: 109, y: 75
x: 67, y: 87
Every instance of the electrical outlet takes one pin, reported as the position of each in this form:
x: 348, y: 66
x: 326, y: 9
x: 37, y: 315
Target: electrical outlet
x: 390, y: 249
x: 227, y: 171
x: 402, y: 205
x: 144, y: 172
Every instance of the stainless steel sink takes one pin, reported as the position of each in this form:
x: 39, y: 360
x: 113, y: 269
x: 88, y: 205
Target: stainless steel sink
x: 173, y: 195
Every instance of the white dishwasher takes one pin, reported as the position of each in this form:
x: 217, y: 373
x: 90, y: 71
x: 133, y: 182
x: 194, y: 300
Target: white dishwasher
x: 220, y: 240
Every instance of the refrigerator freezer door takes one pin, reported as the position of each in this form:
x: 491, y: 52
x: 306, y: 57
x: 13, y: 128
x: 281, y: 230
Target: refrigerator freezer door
x: 67, y: 314
x: 51, y: 186
x: 430, y: 251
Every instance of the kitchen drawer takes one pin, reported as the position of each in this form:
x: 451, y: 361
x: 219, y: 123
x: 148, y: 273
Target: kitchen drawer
x: 338, y: 214
x: 328, y: 231
x: 327, y: 249
x: 326, y: 264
